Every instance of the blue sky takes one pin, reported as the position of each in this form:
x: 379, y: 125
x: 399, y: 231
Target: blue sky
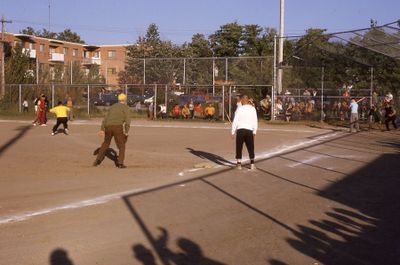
x: 122, y: 21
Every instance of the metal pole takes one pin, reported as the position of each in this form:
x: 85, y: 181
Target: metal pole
x: 71, y: 71
x: 223, y: 103
x: 155, y: 102
x: 3, y: 82
x: 19, y: 97
x: 274, y: 85
x: 226, y: 69
x: 213, y: 74
x: 144, y: 72
x: 322, y: 92
x: 37, y: 70
x: 371, y: 86
x: 281, y: 32
x: 52, y: 95
x: 88, y: 100
x: 230, y: 102
x: 184, y: 71
x: 126, y: 89
x: 166, y: 98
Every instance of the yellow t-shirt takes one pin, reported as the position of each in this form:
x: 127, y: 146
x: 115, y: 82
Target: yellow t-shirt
x: 60, y: 111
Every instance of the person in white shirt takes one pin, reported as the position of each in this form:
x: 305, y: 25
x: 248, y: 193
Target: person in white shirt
x: 244, y: 126
x: 354, y: 114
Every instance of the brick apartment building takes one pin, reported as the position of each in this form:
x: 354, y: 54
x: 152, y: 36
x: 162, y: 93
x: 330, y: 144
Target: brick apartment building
x: 110, y: 58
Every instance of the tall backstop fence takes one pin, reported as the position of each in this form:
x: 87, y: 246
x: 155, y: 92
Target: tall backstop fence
x: 160, y: 101
x: 163, y: 101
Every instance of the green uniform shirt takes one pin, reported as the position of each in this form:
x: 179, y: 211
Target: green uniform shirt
x: 118, y: 114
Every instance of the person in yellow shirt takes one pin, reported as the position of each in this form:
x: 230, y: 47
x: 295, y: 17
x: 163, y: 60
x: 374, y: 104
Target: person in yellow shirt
x: 210, y: 111
x: 61, y: 113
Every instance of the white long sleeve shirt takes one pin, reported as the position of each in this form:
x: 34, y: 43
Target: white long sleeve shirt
x: 245, y: 118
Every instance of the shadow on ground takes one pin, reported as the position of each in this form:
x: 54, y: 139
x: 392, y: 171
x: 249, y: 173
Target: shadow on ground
x: 22, y: 131
x: 367, y: 234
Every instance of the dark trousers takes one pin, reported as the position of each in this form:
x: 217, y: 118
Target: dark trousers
x: 390, y: 119
x: 247, y: 137
x: 120, y: 138
x: 63, y: 121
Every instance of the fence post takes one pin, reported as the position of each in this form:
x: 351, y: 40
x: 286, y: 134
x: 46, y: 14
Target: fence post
x: 126, y: 89
x: 144, y: 72
x: 230, y: 102
x: 166, y: 98
x: 155, y: 102
x: 88, y: 100
x: 19, y: 97
x: 52, y: 95
x: 184, y: 71
x: 322, y: 93
x: 223, y: 103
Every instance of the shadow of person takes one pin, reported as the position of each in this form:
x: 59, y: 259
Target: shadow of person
x: 209, y: 156
x: 192, y: 253
x: 59, y: 256
x: 110, y: 154
x: 143, y: 254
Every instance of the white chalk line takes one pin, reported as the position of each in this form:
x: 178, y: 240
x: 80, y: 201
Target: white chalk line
x: 95, y: 123
x: 274, y: 152
x: 73, y: 205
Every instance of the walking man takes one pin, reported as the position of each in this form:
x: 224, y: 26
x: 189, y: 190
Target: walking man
x: 245, y: 126
x: 116, y: 124
x: 61, y: 112
x: 354, y: 115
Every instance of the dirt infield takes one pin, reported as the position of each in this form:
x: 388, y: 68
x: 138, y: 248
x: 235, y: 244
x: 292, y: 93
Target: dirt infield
x: 319, y: 196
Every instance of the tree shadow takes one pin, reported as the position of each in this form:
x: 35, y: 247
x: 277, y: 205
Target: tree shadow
x: 110, y: 154
x: 209, y: 156
x: 59, y: 256
x: 22, y: 131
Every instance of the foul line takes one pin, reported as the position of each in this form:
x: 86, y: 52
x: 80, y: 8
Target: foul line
x: 110, y: 197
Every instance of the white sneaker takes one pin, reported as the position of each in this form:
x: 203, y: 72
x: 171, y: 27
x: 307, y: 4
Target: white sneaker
x: 43, y: 125
x: 34, y: 124
x: 66, y: 131
x: 239, y: 166
x: 252, y: 167
x: 53, y: 134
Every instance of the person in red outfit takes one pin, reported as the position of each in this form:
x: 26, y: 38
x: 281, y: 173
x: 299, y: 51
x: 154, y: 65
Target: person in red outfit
x: 40, y: 115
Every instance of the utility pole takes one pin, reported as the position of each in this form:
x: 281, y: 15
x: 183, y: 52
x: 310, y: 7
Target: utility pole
x: 3, y: 82
x: 280, y: 56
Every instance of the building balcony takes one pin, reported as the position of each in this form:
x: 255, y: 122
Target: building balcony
x: 31, y: 53
x: 91, y: 61
x: 56, y: 57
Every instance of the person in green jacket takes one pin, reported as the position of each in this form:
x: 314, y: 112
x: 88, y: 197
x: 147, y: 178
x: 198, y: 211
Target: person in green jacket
x: 116, y: 124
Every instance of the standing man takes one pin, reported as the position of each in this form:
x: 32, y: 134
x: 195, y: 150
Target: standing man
x: 354, y: 115
x: 390, y: 116
x: 61, y: 112
x: 245, y: 126
x: 116, y: 124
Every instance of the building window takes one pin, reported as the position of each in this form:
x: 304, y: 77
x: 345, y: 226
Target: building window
x: 52, y: 50
x: 31, y: 46
x: 96, y: 54
x: 111, y: 71
x: 65, y: 50
x: 74, y: 52
x: 85, y: 54
x: 41, y: 47
x: 111, y: 54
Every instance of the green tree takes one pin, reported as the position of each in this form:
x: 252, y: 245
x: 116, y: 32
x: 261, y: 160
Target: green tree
x: 227, y: 40
x: 18, y: 68
x: 68, y: 35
